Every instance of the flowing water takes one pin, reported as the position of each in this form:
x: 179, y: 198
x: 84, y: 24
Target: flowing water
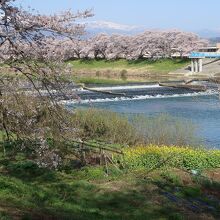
x: 202, y: 108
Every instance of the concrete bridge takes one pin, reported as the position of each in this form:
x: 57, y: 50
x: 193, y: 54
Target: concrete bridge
x: 197, y: 57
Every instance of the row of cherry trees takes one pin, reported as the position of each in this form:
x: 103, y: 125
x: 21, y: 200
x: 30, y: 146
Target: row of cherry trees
x: 150, y: 44
x: 45, y: 43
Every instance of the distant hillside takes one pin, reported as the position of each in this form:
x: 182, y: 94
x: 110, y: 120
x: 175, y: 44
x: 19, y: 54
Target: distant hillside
x: 108, y: 27
x: 214, y: 40
x: 208, y: 33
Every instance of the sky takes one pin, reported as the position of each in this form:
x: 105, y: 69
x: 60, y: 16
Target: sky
x: 189, y: 15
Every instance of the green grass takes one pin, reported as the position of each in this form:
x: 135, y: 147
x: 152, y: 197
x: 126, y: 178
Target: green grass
x: 90, y: 194
x: 158, y: 66
x: 1, y: 135
x: 30, y: 192
x: 136, y: 189
x: 69, y: 197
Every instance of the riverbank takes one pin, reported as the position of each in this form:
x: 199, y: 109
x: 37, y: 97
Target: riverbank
x: 113, y: 182
x: 120, y: 72
x: 123, y: 71
x: 126, y: 192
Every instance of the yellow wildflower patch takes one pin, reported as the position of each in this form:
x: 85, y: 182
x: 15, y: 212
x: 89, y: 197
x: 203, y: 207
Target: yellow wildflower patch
x: 173, y: 156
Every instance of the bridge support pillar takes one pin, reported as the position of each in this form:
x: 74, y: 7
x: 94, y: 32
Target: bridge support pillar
x: 196, y: 65
x: 200, y: 65
x: 192, y: 65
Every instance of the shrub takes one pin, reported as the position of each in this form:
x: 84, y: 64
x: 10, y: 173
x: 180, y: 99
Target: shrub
x: 97, y: 73
x: 104, y: 125
x: 24, y: 169
x: 4, y: 216
x: 91, y: 173
x: 117, y: 128
x: 123, y: 75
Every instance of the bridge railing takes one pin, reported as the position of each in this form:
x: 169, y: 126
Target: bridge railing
x: 204, y: 55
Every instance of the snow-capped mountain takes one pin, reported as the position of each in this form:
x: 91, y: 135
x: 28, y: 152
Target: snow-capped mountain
x: 94, y: 27
x: 108, y: 27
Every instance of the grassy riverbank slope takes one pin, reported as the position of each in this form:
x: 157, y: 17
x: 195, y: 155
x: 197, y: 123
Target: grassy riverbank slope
x: 116, y: 71
x: 124, y: 71
x: 139, y: 190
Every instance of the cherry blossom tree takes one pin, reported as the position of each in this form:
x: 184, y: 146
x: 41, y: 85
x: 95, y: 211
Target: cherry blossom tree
x: 31, y: 50
x: 150, y: 44
x: 161, y: 44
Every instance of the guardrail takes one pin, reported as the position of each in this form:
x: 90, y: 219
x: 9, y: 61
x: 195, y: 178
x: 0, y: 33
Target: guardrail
x: 204, y: 55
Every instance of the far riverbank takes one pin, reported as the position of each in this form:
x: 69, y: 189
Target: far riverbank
x: 125, y: 72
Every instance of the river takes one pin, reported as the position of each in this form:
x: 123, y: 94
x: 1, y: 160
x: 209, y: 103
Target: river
x: 202, y: 108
